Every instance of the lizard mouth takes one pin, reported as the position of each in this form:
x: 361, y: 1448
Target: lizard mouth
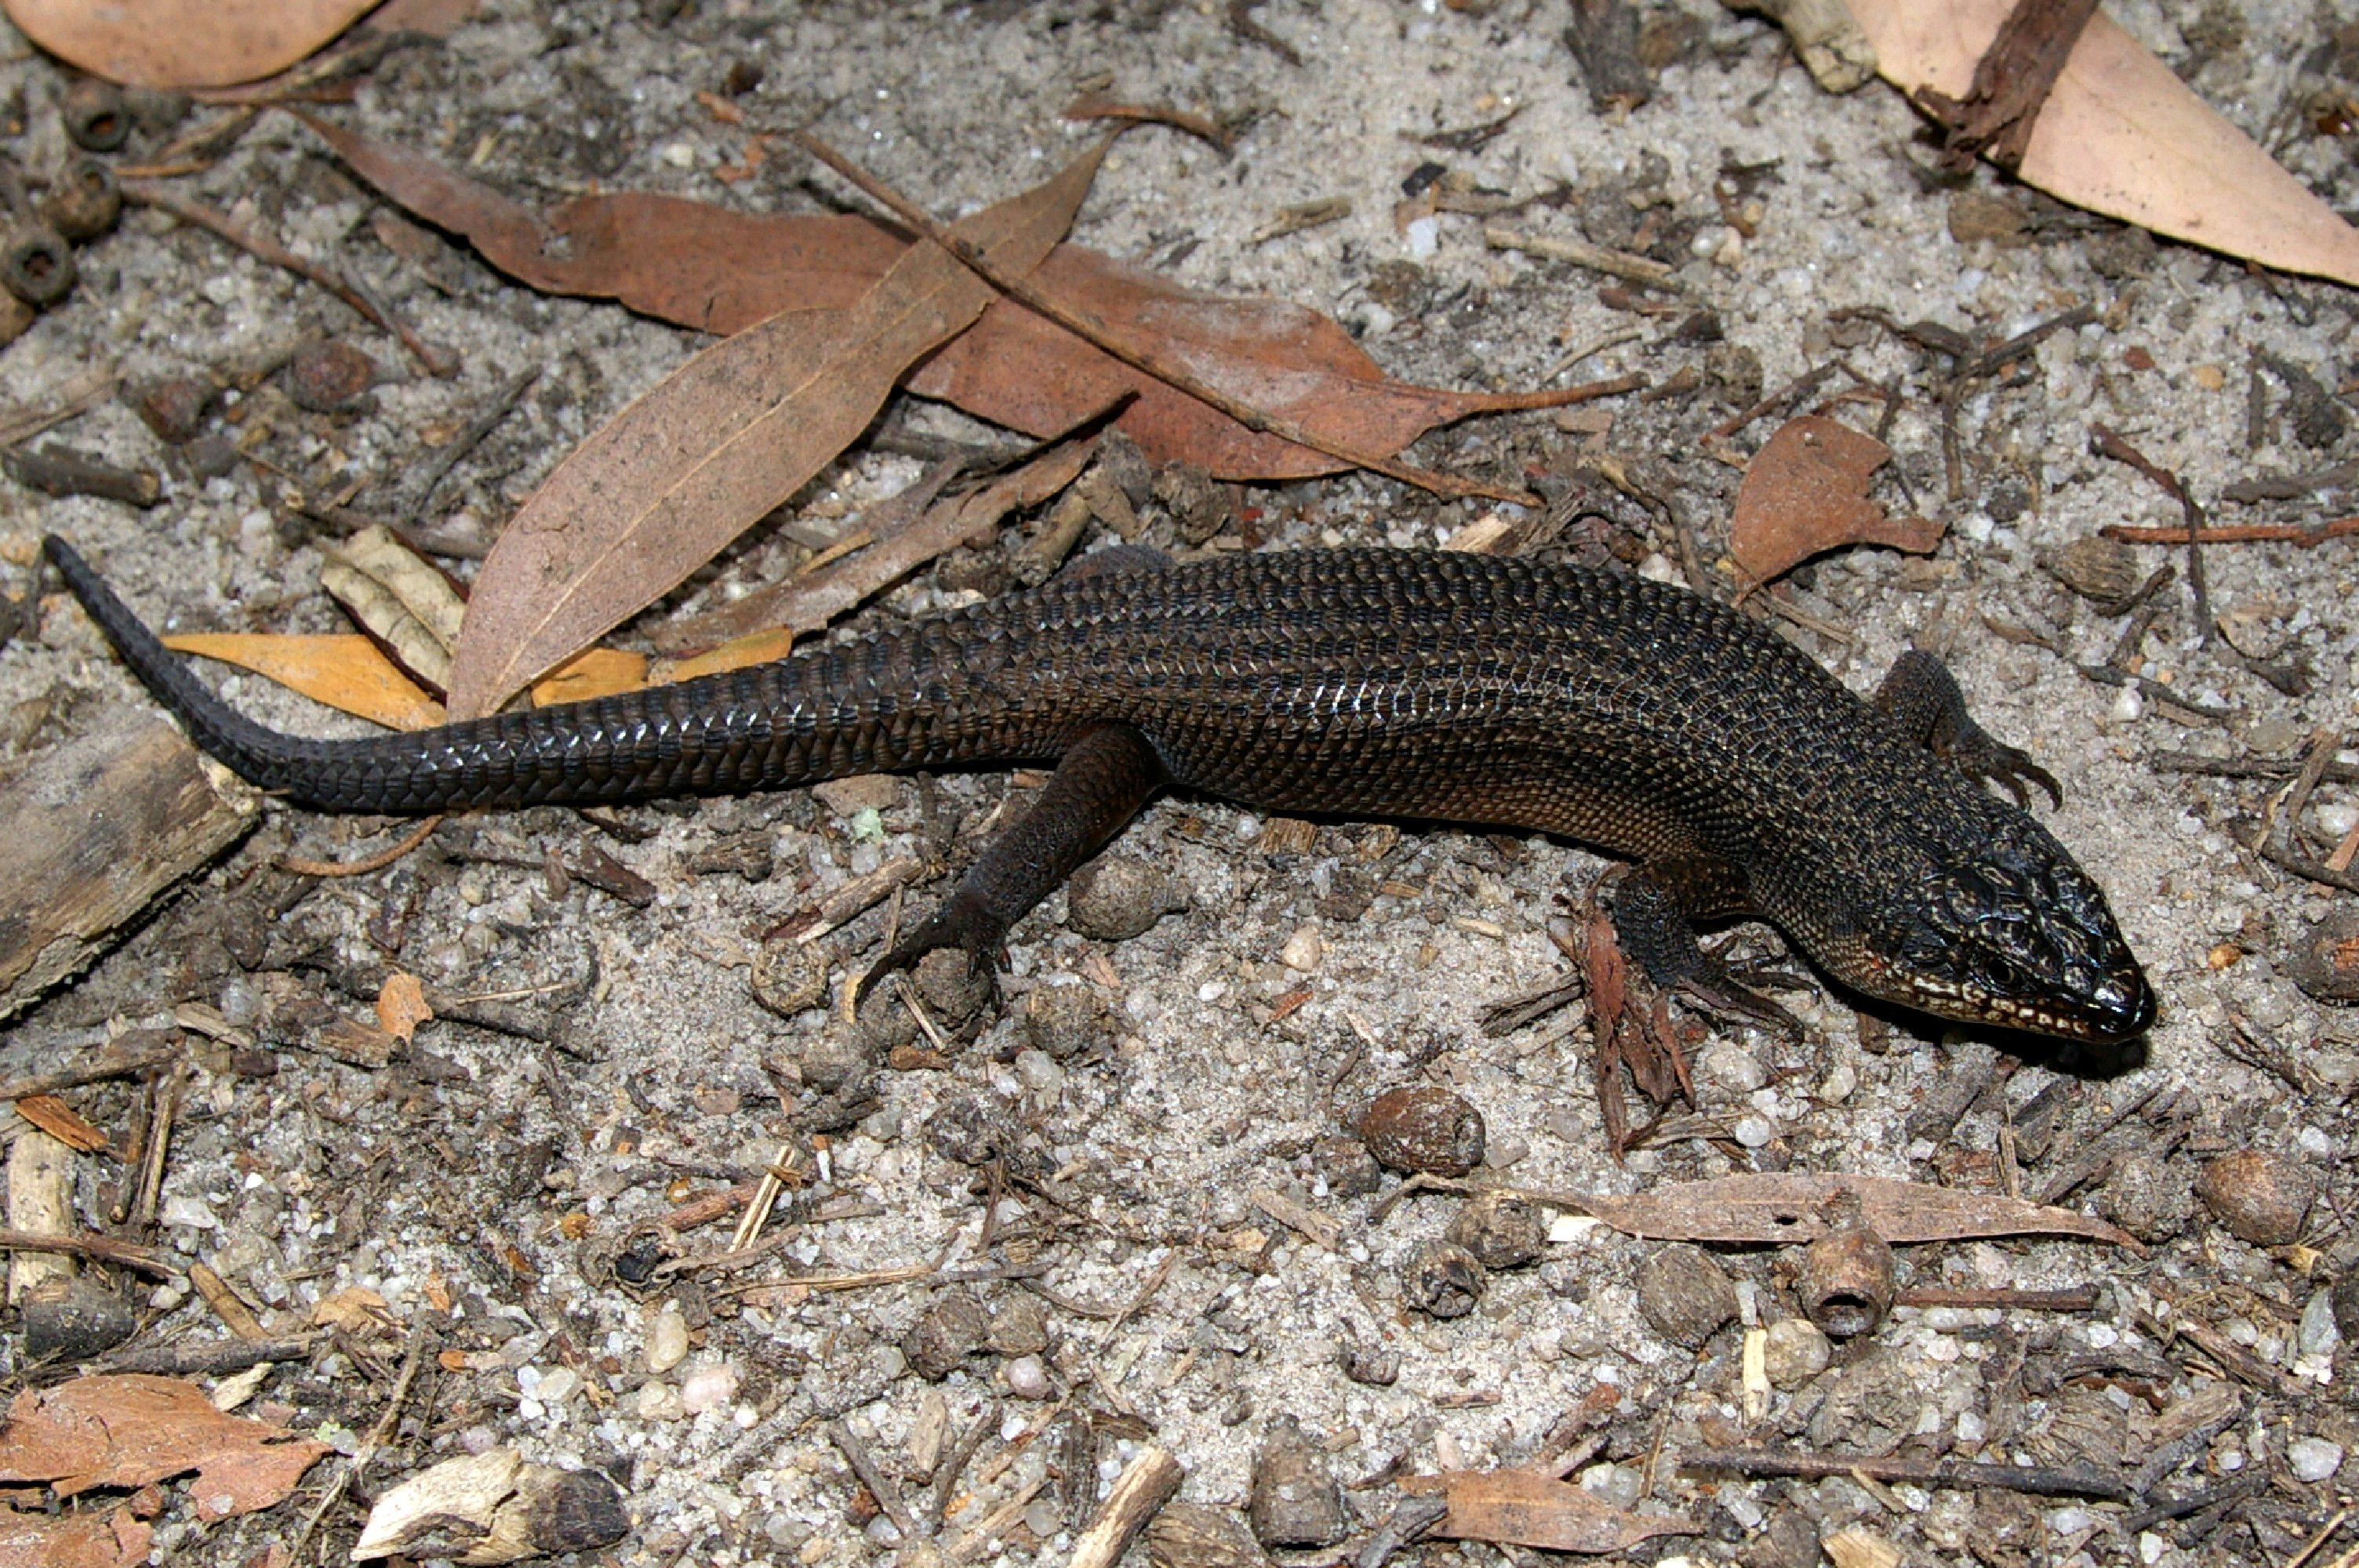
x: 2120, y: 1008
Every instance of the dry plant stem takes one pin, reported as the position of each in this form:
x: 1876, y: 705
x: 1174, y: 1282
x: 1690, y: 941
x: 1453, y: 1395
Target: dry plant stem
x: 2039, y: 1480
x: 2235, y: 533
x: 880, y: 1485
x: 1149, y: 114
x: 207, y: 1358
x: 1090, y: 329
x: 366, y: 863
x: 2108, y: 442
x: 432, y: 360
x: 486, y: 420
x: 1142, y: 1488
x: 91, y: 1073
x: 423, y: 1344
x: 97, y: 1248
x: 235, y: 1315
x: 2082, y: 1298
x: 1596, y: 258
x: 89, y: 391
x: 946, y: 1480
x: 2325, y: 1534
x: 159, y: 1141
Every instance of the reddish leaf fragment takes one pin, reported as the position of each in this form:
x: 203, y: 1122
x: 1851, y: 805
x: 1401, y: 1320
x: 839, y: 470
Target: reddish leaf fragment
x: 73, y: 1540
x: 1806, y: 492
x: 716, y: 444
x: 62, y: 1122
x: 1016, y: 368
x: 685, y: 262
x: 1531, y: 1508
x: 723, y: 271
x: 131, y: 1431
x: 183, y: 43
x: 1797, y: 1206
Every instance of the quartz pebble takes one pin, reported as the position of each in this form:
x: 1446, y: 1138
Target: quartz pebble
x: 2313, y: 1459
x: 667, y: 1339
x: 1795, y: 1352
x: 708, y: 1388
x: 1027, y: 1378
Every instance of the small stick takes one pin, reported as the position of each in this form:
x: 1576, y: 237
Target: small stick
x: 433, y: 359
x: 2195, y: 1502
x: 422, y: 1346
x: 106, y: 1067
x: 1580, y: 252
x: 1197, y: 126
x: 366, y: 863
x: 2080, y: 1298
x: 880, y: 1485
x: 2233, y: 533
x: 1142, y: 1487
x: 91, y: 1245
x: 1087, y: 327
x: 775, y: 1177
x: 946, y: 1480
x: 159, y: 1140
x: 206, y: 1357
x: 485, y: 421
x: 2108, y: 443
x: 235, y: 1315
x: 2325, y: 1534
x: 2039, y: 1480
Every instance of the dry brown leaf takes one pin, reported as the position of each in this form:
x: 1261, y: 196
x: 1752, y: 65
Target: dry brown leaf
x: 399, y: 599
x: 1531, y: 1508
x: 359, y: 1313
x: 1019, y: 369
x: 131, y: 1431
x: 721, y: 271
x: 401, y: 1005
x: 183, y: 43
x: 1806, y: 492
x: 62, y: 1122
x: 347, y: 672
x: 114, y: 1539
x: 2122, y: 136
x: 1790, y: 1206
x: 688, y: 262
x: 717, y: 444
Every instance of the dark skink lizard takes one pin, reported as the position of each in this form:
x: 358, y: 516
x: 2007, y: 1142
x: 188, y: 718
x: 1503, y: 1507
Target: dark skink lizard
x: 1743, y: 779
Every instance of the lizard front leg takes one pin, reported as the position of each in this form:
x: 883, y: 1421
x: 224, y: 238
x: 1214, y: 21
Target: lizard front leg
x: 1099, y: 783
x: 1921, y: 700
x: 1655, y: 908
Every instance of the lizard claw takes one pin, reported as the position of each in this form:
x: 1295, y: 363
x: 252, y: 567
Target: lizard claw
x: 1987, y: 760
x: 960, y: 923
x: 1724, y: 998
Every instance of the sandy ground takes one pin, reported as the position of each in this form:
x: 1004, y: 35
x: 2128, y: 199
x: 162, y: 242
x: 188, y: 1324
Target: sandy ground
x: 506, y: 1188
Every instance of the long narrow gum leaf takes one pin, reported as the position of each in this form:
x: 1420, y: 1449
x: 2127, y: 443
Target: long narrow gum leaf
x: 673, y: 478
x: 2120, y: 134
x: 184, y: 43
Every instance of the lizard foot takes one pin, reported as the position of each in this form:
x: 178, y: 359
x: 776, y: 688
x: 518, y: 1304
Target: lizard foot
x: 961, y: 924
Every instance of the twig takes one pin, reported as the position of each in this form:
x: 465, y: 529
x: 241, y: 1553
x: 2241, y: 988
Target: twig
x: 2080, y: 1298
x: 488, y: 419
x: 86, y: 393
x: 2106, y: 442
x: 96, y: 1248
x: 106, y: 1067
x: 880, y: 1485
x: 1087, y: 326
x: 423, y: 1344
x: 946, y: 1479
x: 159, y: 1140
x: 2235, y: 533
x: 366, y: 863
x: 2325, y: 1534
x: 1580, y: 252
x: 1242, y: 23
x: 433, y: 359
x: 2039, y: 1480
x: 207, y: 1358
x: 1197, y: 126
x: 1144, y: 1486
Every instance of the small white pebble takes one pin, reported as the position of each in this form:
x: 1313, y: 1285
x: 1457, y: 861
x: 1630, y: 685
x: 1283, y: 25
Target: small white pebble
x: 2313, y: 1459
x: 708, y: 1388
x: 1422, y: 238
x: 1303, y: 950
x: 2128, y: 703
x: 1027, y: 1379
x: 1755, y: 1131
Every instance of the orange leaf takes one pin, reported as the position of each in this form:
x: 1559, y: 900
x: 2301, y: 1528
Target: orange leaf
x: 346, y: 672
x: 718, y: 443
x: 595, y: 672
x: 1806, y: 491
x: 61, y: 1121
x: 129, y: 1430
x: 737, y: 653
x: 2122, y: 136
x: 401, y: 1005
x: 184, y: 43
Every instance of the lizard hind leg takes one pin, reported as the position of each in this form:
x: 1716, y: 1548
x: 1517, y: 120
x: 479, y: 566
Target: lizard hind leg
x: 1920, y: 697
x: 1654, y: 907
x: 1099, y: 783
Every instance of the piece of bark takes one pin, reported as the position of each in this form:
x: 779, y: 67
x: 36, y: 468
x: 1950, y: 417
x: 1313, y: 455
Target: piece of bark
x: 97, y: 828
x: 40, y: 1200
x: 1142, y: 1487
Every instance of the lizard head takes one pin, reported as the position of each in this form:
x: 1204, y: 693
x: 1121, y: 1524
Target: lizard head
x: 2015, y: 934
